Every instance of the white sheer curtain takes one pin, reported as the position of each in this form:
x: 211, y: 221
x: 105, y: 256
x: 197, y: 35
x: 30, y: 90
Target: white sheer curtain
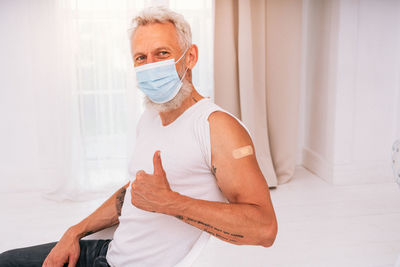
x: 68, y: 100
x: 99, y: 105
x: 70, y: 92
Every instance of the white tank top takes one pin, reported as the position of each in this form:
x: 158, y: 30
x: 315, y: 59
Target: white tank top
x: 152, y: 239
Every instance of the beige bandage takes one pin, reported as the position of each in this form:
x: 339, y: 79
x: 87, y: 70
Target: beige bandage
x: 242, y: 152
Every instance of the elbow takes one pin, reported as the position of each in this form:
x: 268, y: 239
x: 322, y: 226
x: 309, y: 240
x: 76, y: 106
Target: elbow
x: 268, y: 233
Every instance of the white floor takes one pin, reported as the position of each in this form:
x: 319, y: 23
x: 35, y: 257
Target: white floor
x: 319, y: 225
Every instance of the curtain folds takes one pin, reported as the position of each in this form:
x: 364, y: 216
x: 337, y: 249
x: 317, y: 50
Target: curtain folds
x: 257, y: 76
x: 96, y: 102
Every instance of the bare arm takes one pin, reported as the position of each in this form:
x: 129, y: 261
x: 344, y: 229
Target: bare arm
x: 103, y: 217
x: 248, y: 218
x: 67, y: 249
x: 237, y: 223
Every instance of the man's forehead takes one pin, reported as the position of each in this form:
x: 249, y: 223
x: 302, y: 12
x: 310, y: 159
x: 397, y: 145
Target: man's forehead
x: 155, y: 35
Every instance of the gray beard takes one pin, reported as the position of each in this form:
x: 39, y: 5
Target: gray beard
x: 175, y: 102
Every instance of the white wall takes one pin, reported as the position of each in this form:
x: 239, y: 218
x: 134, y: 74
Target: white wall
x: 350, y: 107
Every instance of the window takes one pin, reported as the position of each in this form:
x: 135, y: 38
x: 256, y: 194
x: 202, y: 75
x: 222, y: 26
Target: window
x: 108, y: 103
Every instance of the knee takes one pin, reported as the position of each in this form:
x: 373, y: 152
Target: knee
x: 28, y: 256
x: 20, y: 258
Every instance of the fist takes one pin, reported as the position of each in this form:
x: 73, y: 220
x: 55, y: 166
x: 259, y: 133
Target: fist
x: 151, y: 192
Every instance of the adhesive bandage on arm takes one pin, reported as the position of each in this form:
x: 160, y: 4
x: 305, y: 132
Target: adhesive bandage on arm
x: 242, y: 152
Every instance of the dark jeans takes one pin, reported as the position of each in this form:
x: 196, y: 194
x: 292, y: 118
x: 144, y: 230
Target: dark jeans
x: 93, y: 253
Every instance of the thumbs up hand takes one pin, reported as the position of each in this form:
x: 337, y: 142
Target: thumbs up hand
x: 151, y: 192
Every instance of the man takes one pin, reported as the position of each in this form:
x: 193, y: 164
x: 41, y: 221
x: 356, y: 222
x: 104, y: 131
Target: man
x: 195, y: 170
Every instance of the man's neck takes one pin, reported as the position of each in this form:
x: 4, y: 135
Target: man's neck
x: 170, y: 116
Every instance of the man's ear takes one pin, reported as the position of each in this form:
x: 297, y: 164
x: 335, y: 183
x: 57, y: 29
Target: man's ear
x: 192, y: 56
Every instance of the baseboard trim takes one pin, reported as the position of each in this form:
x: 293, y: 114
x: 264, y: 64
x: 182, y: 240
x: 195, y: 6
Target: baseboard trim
x: 316, y: 164
x: 363, y: 172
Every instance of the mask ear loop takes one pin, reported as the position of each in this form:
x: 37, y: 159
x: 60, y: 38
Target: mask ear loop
x: 182, y: 55
x: 183, y: 77
x: 186, y: 67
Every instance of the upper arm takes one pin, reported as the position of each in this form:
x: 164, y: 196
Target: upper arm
x: 240, y: 179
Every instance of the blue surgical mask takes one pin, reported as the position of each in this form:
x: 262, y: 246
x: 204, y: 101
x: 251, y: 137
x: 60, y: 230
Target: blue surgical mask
x: 159, y: 80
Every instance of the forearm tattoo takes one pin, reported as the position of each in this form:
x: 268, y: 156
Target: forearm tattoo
x: 214, y: 171
x: 224, y: 235
x: 120, y: 200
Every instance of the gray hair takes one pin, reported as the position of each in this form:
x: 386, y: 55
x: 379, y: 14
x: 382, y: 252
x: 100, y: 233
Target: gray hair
x: 162, y: 14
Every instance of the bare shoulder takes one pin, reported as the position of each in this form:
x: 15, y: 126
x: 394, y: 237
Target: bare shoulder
x: 226, y: 128
x: 238, y: 174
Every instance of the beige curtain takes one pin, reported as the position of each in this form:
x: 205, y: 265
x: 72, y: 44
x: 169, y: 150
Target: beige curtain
x: 257, y: 52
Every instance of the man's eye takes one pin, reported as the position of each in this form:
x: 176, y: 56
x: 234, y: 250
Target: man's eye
x: 163, y: 53
x: 139, y: 58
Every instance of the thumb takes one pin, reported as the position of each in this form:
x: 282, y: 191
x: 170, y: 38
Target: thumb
x: 158, y: 168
